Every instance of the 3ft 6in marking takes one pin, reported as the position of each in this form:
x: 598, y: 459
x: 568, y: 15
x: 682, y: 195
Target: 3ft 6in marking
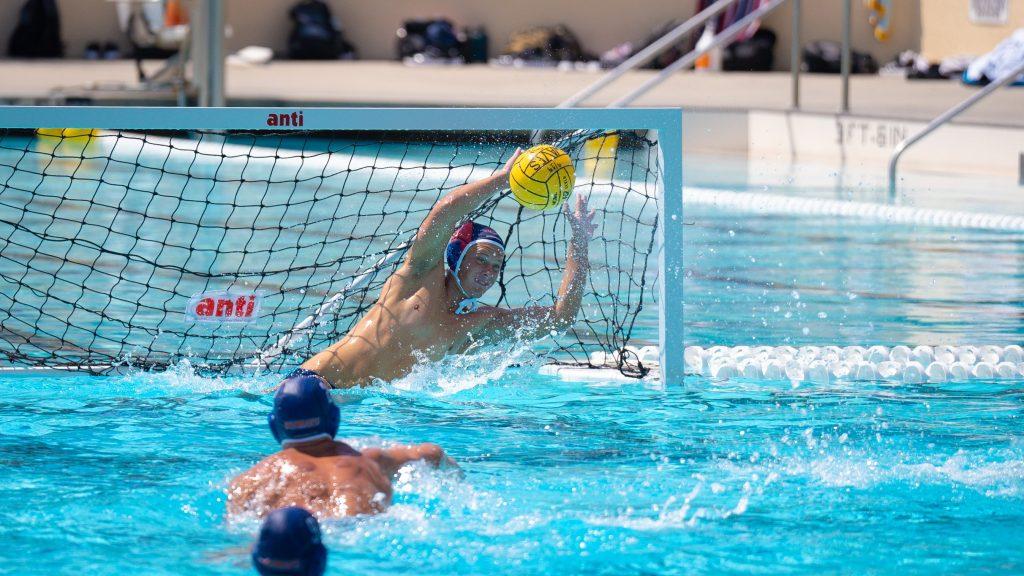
x: 868, y: 133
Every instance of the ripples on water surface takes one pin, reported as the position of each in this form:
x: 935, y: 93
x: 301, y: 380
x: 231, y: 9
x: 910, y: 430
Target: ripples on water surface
x: 125, y: 474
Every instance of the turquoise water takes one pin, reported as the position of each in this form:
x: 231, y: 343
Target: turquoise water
x: 125, y: 474
x: 757, y: 279
x: 769, y: 279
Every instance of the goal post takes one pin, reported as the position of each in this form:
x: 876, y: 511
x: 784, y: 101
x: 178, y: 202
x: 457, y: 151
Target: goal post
x: 670, y: 258
x: 127, y: 230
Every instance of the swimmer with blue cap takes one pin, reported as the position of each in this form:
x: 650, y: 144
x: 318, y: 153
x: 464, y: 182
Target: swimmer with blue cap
x: 313, y: 470
x: 430, y: 307
x: 289, y: 545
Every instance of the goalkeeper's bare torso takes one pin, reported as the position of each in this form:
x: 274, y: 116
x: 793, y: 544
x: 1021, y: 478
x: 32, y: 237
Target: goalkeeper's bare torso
x: 413, y: 320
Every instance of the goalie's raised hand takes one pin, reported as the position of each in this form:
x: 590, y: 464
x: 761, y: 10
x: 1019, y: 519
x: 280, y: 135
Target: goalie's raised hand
x: 581, y: 219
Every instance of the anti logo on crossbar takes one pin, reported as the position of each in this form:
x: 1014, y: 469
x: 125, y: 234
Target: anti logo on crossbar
x: 224, y: 306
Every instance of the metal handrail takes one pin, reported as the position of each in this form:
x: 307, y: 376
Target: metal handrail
x: 846, y: 62
x: 794, y: 58
x: 942, y: 119
x: 644, y: 56
x: 726, y: 36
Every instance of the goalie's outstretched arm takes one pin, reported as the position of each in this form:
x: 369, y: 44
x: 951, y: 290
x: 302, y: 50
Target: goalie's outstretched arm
x: 537, y: 321
x: 437, y: 227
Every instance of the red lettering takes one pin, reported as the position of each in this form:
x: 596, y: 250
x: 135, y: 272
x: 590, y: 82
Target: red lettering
x: 205, y: 307
x: 224, y: 307
x: 286, y: 119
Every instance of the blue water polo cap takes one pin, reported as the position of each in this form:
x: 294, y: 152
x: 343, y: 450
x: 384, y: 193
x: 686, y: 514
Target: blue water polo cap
x: 289, y: 543
x: 303, y: 409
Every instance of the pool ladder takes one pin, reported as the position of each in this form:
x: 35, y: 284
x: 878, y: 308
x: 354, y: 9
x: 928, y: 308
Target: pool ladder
x: 943, y: 119
x: 720, y: 40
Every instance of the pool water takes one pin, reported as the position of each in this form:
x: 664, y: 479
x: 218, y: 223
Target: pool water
x: 769, y: 279
x: 126, y: 474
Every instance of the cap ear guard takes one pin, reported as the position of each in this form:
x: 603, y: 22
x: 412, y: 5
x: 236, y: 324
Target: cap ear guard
x: 332, y: 418
x: 318, y: 561
x: 272, y: 422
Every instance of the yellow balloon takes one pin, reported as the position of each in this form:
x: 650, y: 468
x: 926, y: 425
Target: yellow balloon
x: 542, y: 177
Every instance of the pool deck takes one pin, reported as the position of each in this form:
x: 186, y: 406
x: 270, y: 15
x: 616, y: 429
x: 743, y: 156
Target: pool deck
x: 382, y: 83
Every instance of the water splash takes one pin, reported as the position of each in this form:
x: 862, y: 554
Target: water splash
x: 866, y: 469
x: 183, y: 377
x: 460, y: 372
x: 676, y: 515
x: 425, y: 498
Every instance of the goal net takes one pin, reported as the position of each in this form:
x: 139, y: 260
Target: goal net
x: 259, y: 248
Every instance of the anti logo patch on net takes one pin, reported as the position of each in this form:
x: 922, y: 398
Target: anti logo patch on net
x: 224, y: 306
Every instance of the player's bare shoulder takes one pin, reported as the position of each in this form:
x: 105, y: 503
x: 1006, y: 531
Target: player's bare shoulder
x: 405, y: 283
x: 253, y: 488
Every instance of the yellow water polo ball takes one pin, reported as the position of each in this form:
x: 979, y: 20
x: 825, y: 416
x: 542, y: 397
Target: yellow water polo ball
x: 542, y: 177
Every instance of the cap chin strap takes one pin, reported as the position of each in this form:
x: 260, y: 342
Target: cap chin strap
x: 468, y: 305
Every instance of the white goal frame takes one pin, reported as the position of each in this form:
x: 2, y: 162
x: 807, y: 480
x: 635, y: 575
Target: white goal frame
x: 667, y: 123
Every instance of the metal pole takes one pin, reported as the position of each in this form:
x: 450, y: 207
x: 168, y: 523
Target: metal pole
x: 942, y: 119
x: 670, y: 256
x: 198, y: 26
x: 211, y: 89
x: 216, y: 66
x: 721, y: 39
x: 645, y: 55
x: 845, y: 63
x: 794, y: 56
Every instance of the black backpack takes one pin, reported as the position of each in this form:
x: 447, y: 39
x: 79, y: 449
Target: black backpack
x: 825, y: 56
x: 37, y: 34
x: 436, y: 38
x: 755, y: 54
x: 315, y: 36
